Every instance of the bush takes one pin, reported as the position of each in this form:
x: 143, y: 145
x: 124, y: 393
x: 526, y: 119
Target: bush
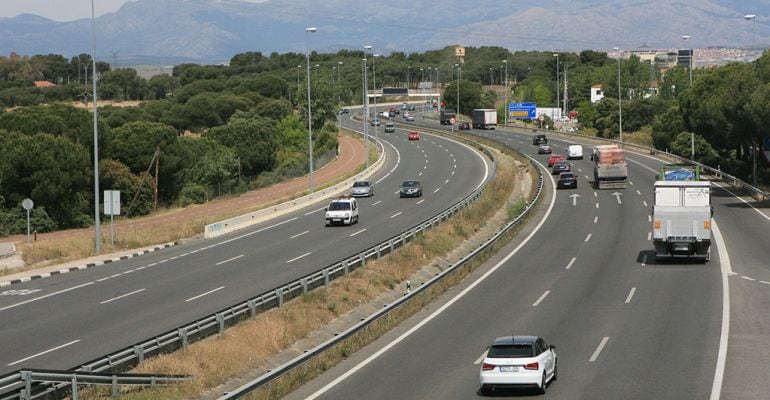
x: 192, y: 193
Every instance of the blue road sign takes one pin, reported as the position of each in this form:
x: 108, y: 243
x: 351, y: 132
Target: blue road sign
x: 522, y: 110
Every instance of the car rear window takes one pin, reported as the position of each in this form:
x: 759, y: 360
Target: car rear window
x: 339, y: 206
x: 510, y: 351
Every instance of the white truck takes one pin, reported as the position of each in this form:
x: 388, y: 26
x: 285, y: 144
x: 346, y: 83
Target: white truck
x: 682, y: 219
x: 484, y: 118
x: 342, y: 210
x: 610, y: 168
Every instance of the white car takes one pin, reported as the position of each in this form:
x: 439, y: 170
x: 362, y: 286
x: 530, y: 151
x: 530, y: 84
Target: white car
x: 518, y: 361
x: 343, y: 210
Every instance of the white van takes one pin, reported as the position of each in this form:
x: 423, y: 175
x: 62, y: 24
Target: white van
x: 342, y: 210
x: 575, y: 151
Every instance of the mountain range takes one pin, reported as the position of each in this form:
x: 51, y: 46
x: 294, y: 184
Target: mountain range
x: 212, y: 31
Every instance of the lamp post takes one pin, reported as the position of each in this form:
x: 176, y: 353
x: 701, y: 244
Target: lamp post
x: 97, y: 222
x: 459, y: 72
x: 308, y: 31
x: 505, y: 93
x: 753, y: 19
x: 491, y: 77
x: 407, y: 77
x: 422, y: 75
x: 689, y: 45
x: 557, y: 81
x: 620, y: 100
x: 366, y: 108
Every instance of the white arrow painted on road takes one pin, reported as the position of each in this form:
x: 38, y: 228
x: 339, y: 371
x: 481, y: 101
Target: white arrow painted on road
x: 617, y: 195
x: 574, y: 198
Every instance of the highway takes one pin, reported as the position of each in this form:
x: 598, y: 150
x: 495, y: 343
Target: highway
x: 66, y: 320
x: 583, y: 277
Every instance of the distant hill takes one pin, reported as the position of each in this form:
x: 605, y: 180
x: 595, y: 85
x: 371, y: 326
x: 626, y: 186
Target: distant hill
x: 212, y: 31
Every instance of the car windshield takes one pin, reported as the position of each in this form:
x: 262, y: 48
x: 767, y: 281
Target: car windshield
x: 510, y: 351
x: 410, y: 184
x: 339, y: 206
x: 362, y: 184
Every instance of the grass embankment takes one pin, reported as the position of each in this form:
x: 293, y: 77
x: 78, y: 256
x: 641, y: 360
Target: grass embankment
x: 79, y: 244
x: 244, y: 349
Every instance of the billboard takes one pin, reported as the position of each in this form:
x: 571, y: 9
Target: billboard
x: 392, y: 91
x: 522, y: 110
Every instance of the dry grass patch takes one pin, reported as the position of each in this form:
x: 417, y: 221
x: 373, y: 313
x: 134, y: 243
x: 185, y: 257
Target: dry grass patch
x: 245, y: 348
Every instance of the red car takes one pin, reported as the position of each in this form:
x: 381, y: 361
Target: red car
x: 414, y: 136
x: 554, y: 158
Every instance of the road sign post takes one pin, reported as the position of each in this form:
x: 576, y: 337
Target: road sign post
x: 112, y: 208
x: 27, y: 204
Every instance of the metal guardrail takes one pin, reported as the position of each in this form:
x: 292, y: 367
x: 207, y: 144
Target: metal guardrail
x: 310, y: 354
x: 218, y: 322
x: 21, y: 382
x: 756, y: 193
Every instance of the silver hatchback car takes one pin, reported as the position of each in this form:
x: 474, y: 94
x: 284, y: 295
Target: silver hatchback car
x: 362, y: 189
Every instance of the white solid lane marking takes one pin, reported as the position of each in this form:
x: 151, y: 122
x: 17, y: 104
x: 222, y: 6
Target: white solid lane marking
x: 297, y: 258
x: 748, y: 278
x: 535, y: 304
x: 441, y: 309
x: 765, y: 282
x: 44, y: 352
x: 745, y: 202
x: 396, y: 215
x: 572, y: 261
x: 481, y: 358
x: 314, y: 211
x: 599, y: 349
x: 588, y: 238
x: 356, y: 233
x: 596, y: 219
x: 298, y: 235
x: 630, y: 295
x: 229, y: 259
x: 726, y: 268
x: 122, y: 296
x: 420, y: 202
x: 152, y: 265
x: 649, y: 236
x: 45, y: 296
x: 204, y: 294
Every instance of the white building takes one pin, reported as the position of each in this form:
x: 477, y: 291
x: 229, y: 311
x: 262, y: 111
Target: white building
x: 597, y: 93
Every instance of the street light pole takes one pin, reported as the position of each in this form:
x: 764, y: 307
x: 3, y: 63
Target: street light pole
x: 505, y: 93
x: 366, y: 108
x: 557, y: 82
x: 308, y: 31
x: 689, y: 44
x: 407, y: 77
x: 97, y: 222
x: 753, y: 19
x: 620, y: 100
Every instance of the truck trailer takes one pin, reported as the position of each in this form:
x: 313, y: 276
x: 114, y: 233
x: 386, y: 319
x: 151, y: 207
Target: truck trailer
x: 484, y: 118
x: 447, y: 117
x: 682, y: 219
x: 610, y: 168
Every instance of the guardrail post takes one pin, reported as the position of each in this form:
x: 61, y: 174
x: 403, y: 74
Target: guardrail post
x: 326, y: 277
x: 139, y: 353
x: 74, y: 387
x: 221, y: 322
x: 345, y: 266
x: 279, y: 295
x: 378, y: 252
x: 115, y: 391
x: 252, y: 304
x: 362, y: 256
x: 182, y: 332
x: 26, y: 393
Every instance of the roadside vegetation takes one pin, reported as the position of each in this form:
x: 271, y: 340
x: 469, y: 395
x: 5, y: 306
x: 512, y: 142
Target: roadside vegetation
x: 215, y: 360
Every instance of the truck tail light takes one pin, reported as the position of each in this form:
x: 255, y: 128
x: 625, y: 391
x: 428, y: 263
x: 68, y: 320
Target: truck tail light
x: 657, y: 224
x: 706, y: 224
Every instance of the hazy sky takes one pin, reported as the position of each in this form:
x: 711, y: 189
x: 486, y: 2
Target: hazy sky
x: 63, y: 10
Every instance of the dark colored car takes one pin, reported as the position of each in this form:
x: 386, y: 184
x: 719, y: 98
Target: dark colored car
x: 561, y: 166
x: 464, y: 126
x: 539, y: 139
x: 566, y: 180
x: 410, y: 188
x: 411, y: 107
x: 344, y: 111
